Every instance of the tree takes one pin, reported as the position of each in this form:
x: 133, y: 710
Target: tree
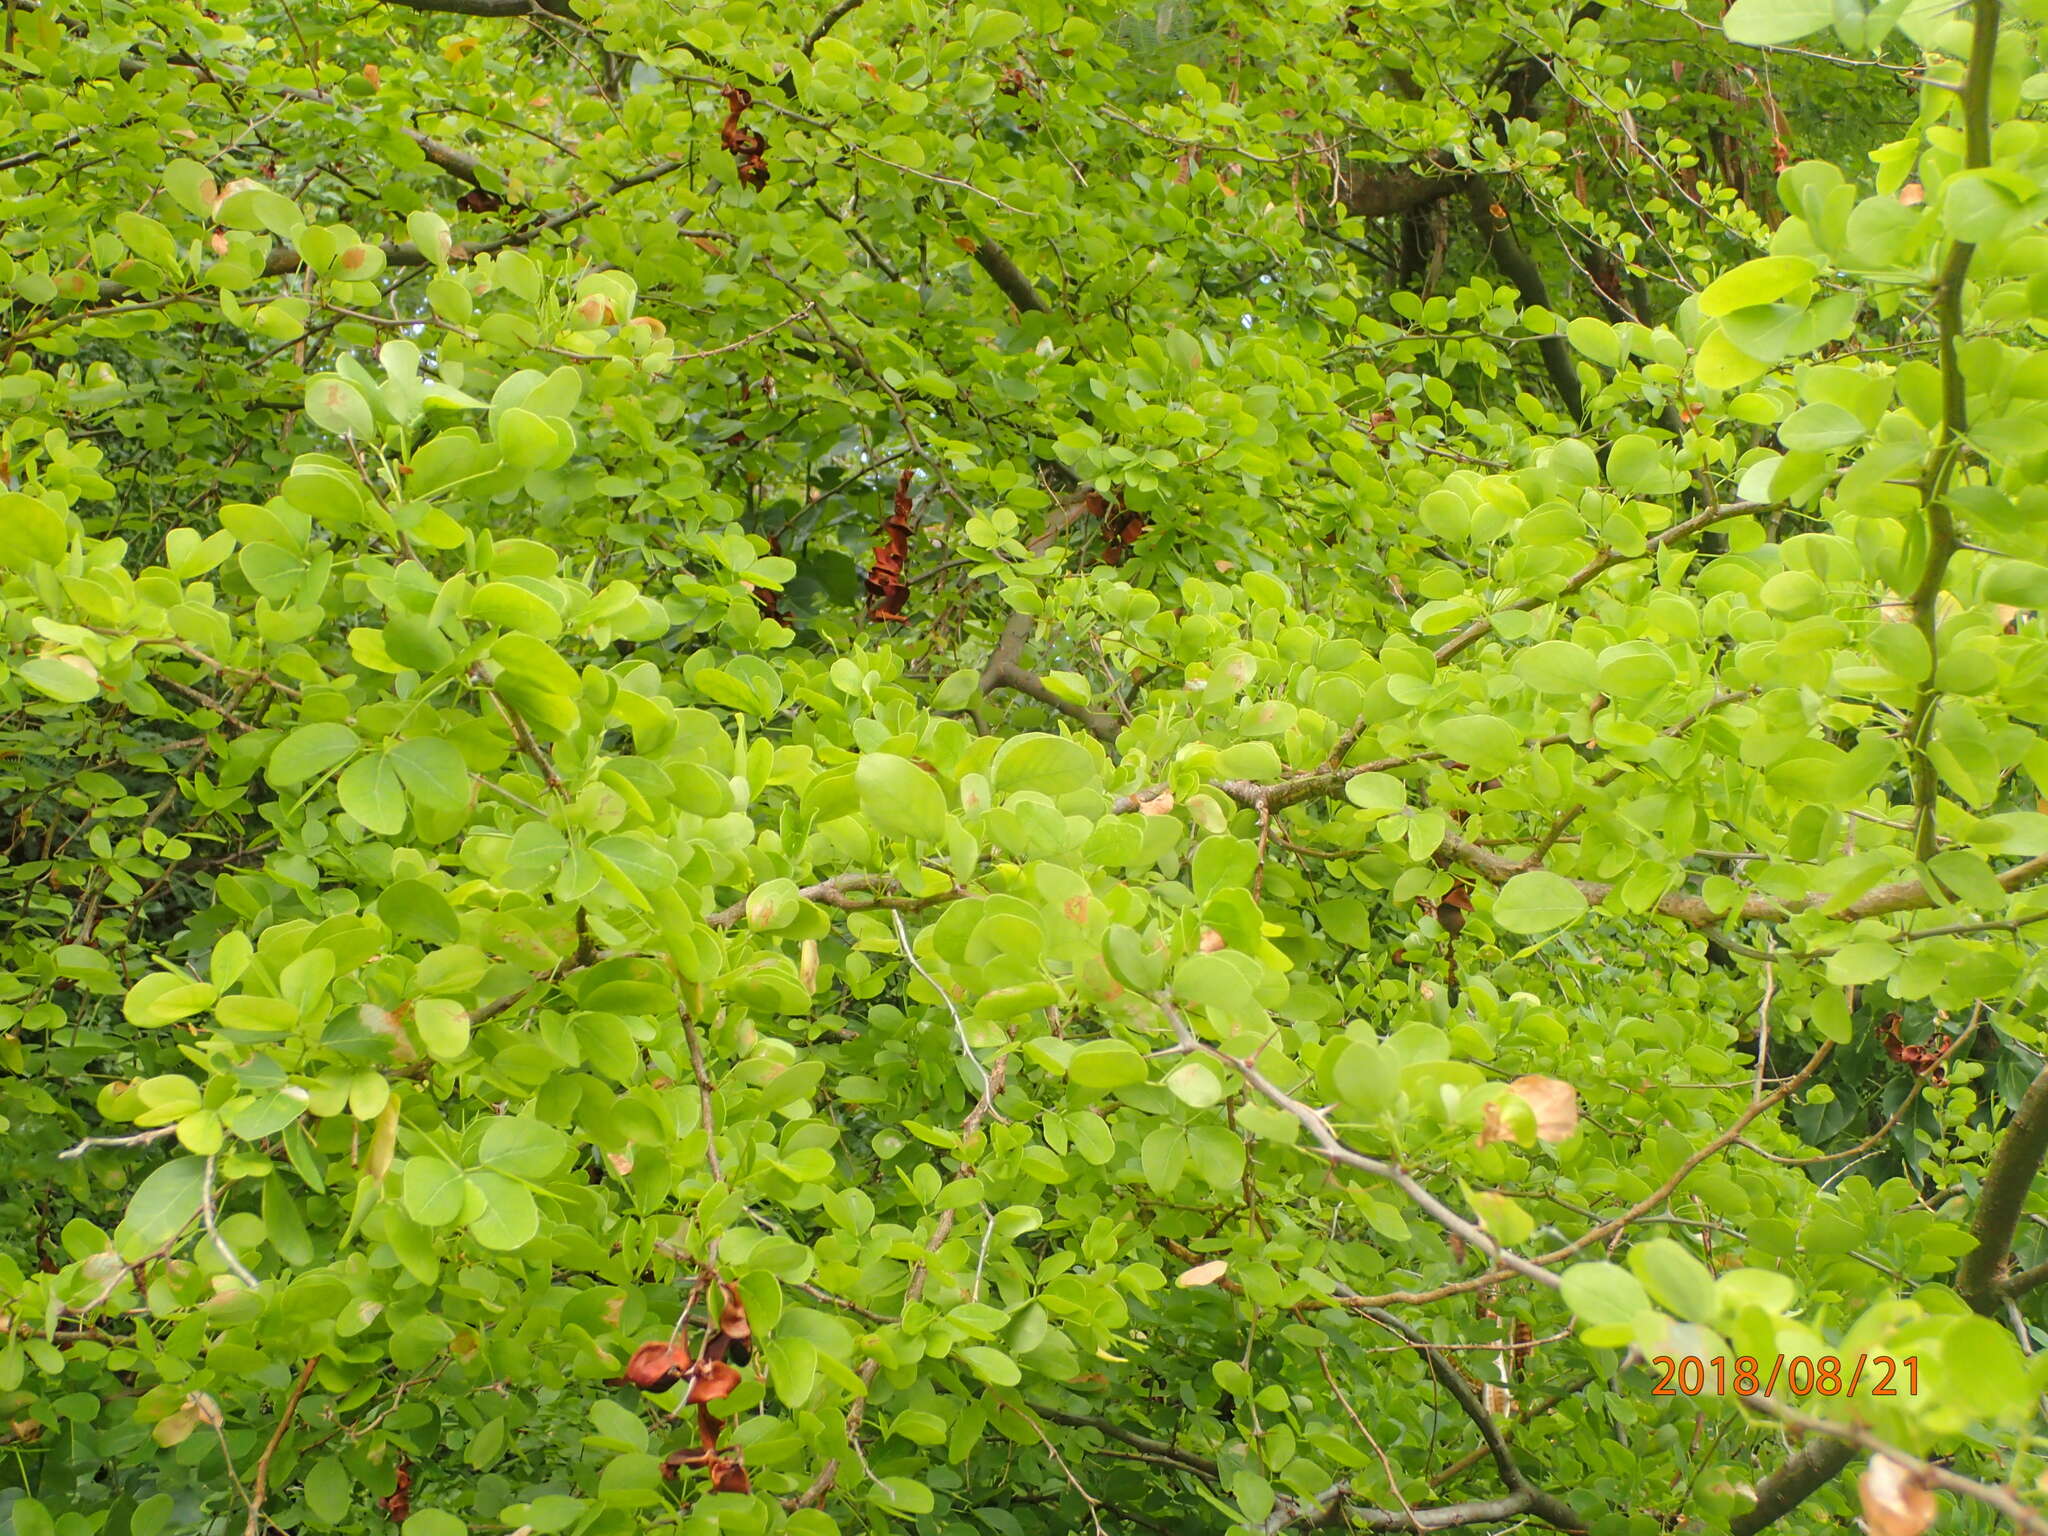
x: 1220, y: 768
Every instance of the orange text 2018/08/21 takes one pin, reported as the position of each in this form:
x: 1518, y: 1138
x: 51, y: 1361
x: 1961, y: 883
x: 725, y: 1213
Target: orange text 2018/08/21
x: 1800, y: 1375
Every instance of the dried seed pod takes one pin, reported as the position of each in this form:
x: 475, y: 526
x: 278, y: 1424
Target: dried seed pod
x: 656, y: 1367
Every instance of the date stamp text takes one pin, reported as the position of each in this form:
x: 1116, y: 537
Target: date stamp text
x: 1800, y: 1375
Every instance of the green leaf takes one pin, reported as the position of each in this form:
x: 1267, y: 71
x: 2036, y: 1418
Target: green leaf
x: 1195, y: 1084
x: 309, y: 752
x: 1677, y: 1281
x: 415, y: 910
x: 68, y: 679
x: 523, y: 1148
x: 1595, y: 339
x: 1768, y: 278
x: 1483, y: 743
x: 1606, y: 1299
x: 526, y: 440
x: 163, y: 1205
x: 899, y: 798
x: 1504, y: 1219
x: 505, y: 605
x: 339, y: 406
x: 1536, y: 901
x: 432, y: 1191
x: 994, y: 29
x: 328, y: 1491
x: 1820, y: 428
x: 164, y: 997
x: 992, y: 1365
x: 30, y: 531
x: 1766, y: 22
x: 429, y: 232
x: 417, y: 643
x: 443, y: 1026
x: 432, y: 772
x: 509, y: 1218
x: 901, y: 1495
x: 1046, y: 764
x: 1364, y: 1077
x: 371, y: 791
x: 1101, y: 1065
x: 1559, y: 668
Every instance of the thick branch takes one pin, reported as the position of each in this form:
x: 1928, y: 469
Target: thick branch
x: 1490, y: 218
x: 2003, y: 1199
x: 1003, y: 671
x: 830, y: 20
x: 1335, y: 1509
x: 1929, y: 1474
x: 1942, y: 541
x: 259, y: 1490
x: 1009, y: 277
x: 1801, y: 1476
x: 1384, y: 191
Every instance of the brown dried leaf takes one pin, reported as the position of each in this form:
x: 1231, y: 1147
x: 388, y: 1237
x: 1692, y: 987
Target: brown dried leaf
x: 1203, y: 1274
x: 1555, y: 1102
x: 1494, y: 1127
x: 1160, y: 804
x: 1895, y: 1501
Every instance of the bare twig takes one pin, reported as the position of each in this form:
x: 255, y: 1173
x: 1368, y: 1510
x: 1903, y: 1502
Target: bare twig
x: 139, y: 1139
x: 259, y: 1489
x: 208, y: 1215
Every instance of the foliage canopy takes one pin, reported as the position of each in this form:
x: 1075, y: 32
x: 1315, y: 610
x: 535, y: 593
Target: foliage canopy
x: 1022, y: 767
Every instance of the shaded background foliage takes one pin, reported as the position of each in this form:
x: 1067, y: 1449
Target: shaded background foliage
x: 889, y: 655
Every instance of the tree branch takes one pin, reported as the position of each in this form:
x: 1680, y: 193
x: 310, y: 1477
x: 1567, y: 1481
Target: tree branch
x: 139, y: 1139
x: 1942, y: 541
x: 1003, y: 671
x: 284, y: 259
x: 1009, y: 277
x: 1855, y: 1437
x: 1523, y: 1497
x: 839, y: 891
x: 259, y: 1490
x: 1490, y: 218
x: 1797, y: 1479
x: 2003, y: 1198
x: 522, y: 733
x: 831, y: 19
x: 210, y: 1216
x: 1202, y: 1466
x: 1333, y: 1149
x: 1335, y: 1509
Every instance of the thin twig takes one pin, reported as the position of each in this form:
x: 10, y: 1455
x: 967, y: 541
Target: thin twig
x: 208, y: 1215
x: 260, y: 1488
